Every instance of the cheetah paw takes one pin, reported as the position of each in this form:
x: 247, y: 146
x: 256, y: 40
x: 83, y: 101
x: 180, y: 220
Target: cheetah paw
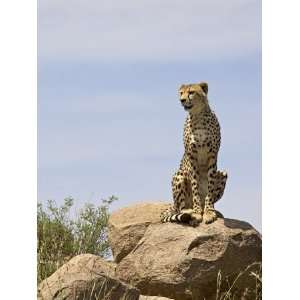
x: 196, y: 219
x: 209, y: 216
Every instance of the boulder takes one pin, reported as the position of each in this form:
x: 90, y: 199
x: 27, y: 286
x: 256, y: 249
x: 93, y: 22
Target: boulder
x: 128, y: 225
x: 86, y: 276
x: 182, y: 262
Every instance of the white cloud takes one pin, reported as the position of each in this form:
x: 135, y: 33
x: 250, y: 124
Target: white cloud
x: 148, y: 30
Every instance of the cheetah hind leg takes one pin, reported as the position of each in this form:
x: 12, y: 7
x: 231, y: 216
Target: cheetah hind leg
x: 221, y: 179
x: 210, y: 214
x: 219, y: 190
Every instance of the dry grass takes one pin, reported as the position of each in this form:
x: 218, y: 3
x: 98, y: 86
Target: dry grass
x: 227, y: 289
x: 252, y: 274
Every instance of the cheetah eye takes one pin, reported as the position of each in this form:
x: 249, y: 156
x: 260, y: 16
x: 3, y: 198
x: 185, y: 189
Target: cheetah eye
x: 192, y: 92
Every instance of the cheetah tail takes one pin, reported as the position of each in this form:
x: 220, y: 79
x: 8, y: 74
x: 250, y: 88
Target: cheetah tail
x: 176, y: 218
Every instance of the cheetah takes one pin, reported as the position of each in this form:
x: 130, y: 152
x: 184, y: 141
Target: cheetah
x: 198, y: 184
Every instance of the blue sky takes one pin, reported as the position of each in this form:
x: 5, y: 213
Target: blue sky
x: 109, y: 119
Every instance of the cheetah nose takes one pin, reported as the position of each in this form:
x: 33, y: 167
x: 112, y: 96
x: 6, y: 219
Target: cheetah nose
x: 183, y: 101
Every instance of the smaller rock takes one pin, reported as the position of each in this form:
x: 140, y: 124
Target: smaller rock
x: 128, y: 225
x: 86, y: 276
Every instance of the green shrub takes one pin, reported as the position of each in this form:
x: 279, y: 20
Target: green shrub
x: 60, y: 236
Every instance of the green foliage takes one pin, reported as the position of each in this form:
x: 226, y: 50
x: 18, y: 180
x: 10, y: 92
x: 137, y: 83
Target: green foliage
x: 60, y: 237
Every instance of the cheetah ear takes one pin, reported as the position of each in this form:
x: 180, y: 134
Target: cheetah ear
x: 204, y: 87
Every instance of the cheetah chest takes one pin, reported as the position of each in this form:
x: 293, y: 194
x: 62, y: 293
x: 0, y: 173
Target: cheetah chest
x: 199, y: 139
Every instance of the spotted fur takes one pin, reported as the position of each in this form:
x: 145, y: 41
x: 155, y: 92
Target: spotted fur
x: 198, y: 184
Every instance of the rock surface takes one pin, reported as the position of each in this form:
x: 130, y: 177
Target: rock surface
x: 86, y: 276
x: 179, y: 261
x: 128, y: 225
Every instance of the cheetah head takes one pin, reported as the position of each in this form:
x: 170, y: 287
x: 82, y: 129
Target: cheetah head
x: 193, y: 97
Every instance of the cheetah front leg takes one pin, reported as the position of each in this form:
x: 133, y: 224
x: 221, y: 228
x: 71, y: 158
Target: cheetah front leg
x: 196, y: 198
x: 210, y: 214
